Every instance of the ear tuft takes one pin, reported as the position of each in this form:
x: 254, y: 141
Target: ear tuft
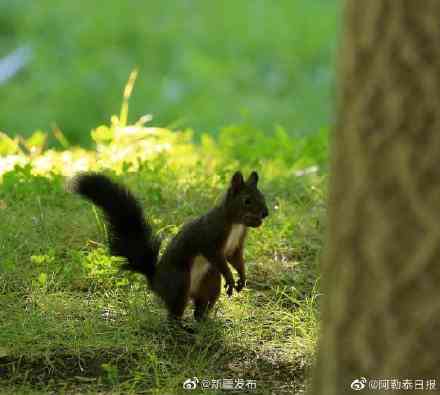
x: 253, y: 179
x: 237, y: 181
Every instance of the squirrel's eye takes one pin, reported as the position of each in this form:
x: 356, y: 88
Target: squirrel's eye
x: 247, y: 201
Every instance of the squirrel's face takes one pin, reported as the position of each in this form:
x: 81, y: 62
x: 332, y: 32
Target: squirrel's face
x: 245, y: 202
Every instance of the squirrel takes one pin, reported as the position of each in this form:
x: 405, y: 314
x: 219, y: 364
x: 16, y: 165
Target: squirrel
x: 195, y: 259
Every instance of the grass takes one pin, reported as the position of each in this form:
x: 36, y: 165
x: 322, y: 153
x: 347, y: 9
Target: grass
x: 206, y: 65
x: 72, y: 323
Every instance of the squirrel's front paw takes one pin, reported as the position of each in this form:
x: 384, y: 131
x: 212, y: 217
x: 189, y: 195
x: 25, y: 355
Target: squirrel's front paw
x: 241, y: 282
x: 229, y: 288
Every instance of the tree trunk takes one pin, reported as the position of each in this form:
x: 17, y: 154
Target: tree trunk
x: 381, y: 270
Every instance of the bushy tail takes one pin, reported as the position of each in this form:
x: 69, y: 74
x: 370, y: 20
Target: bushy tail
x: 130, y: 235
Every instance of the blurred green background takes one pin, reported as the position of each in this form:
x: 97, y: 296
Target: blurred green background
x: 202, y: 64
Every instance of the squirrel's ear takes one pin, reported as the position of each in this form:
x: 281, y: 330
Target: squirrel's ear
x: 253, y: 179
x: 237, y: 181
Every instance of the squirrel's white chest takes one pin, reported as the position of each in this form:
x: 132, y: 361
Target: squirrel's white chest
x: 200, y: 265
x: 198, y: 270
x: 233, y: 239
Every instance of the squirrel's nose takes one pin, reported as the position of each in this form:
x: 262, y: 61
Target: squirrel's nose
x: 265, y: 213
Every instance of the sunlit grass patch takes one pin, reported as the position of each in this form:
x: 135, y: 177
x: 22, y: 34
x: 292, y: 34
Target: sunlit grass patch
x: 71, y: 321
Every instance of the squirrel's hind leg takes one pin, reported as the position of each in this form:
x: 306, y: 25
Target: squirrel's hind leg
x: 175, y: 313
x: 207, y: 294
x: 177, y: 305
x: 171, y: 284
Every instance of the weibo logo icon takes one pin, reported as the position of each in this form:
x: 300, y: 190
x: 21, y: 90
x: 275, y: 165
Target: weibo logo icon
x: 358, y: 384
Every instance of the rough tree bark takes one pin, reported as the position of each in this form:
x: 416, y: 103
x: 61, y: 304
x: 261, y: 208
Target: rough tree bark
x: 381, y: 270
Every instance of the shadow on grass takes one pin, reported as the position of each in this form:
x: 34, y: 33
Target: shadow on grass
x: 108, y: 368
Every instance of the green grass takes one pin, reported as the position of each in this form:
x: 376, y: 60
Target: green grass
x: 206, y: 65
x: 71, y: 322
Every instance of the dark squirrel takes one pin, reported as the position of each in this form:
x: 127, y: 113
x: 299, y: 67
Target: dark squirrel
x: 196, y: 258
